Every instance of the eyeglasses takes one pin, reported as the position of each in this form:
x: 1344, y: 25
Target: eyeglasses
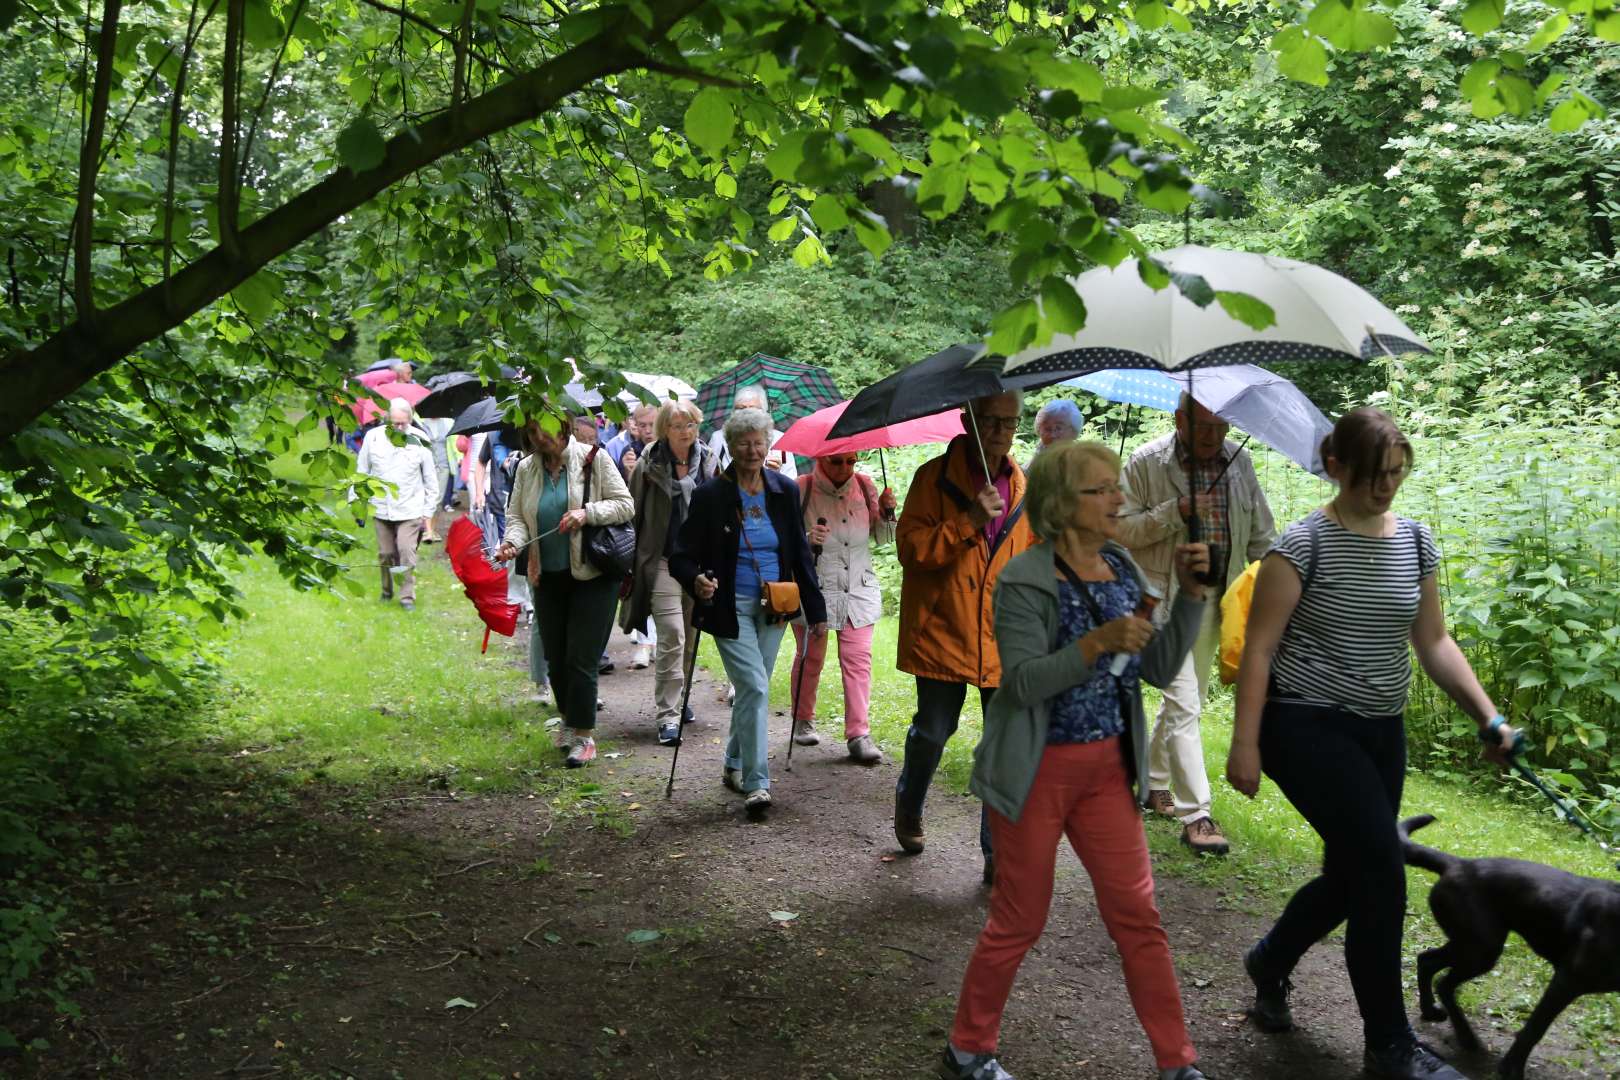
x: 1107, y: 489
x: 685, y: 425
x: 997, y: 423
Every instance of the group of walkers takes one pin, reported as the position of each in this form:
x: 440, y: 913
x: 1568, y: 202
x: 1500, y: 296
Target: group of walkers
x: 1054, y: 593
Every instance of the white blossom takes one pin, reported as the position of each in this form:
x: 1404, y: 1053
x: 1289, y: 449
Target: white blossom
x: 1393, y: 171
x: 1507, y: 321
x: 1431, y: 102
x: 1447, y: 128
x: 1538, y: 350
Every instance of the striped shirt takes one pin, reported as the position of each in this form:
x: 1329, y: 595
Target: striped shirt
x: 1346, y: 644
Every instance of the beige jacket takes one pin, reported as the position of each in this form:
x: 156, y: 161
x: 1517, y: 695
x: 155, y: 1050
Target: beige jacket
x: 610, y: 501
x: 1150, y: 523
x: 848, y: 582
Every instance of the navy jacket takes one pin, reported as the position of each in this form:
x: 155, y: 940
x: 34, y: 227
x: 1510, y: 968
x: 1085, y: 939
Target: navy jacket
x: 710, y: 538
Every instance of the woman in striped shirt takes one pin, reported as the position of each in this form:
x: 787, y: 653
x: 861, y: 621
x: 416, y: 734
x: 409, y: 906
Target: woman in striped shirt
x: 1320, y: 700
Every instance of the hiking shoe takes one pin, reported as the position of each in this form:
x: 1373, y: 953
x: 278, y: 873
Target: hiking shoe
x: 804, y: 733
x: 669, y: 733
x: 864, y: 751
x: 1161, y: 802
x: 641, y: 658
x: 581, y: 752
x: 605, y: 666
x: 731, y: 693
x: 977, y: 1067
x: 732, y: 778
x: 408, y: 605
x: 908, y: 830
x: 1270, y: 1011
x: 686, y: 714
x: 541, y: 696
x: 1204, y: 837
x: 757, y: 801
x: 1407, y: 1059
x: 1185, y: 1072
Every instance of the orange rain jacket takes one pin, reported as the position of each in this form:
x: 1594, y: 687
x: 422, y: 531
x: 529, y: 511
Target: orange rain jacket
x: 947, y: 630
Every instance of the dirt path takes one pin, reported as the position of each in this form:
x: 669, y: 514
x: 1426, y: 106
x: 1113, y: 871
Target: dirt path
x: 324, y: 933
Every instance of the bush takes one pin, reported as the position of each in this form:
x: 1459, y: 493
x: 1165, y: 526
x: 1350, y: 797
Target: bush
x: 72, y: 737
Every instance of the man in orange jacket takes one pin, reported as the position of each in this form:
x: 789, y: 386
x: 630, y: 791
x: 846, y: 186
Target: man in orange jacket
x: 958, y: 529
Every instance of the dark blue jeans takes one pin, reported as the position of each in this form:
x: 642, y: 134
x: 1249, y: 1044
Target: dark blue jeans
x: 1344, y: 774
x: 939, y: 710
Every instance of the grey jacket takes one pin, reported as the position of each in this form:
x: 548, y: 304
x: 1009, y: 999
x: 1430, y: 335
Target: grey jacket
x: 1150, y: 523
x: 1034, y: 670
x: 650, y: 487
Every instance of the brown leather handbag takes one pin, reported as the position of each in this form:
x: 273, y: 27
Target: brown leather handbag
x: 778, y: 599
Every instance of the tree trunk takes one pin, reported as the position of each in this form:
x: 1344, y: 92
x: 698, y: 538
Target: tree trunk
x: 38, y: 378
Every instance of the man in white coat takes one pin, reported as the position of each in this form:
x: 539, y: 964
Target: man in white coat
x: 754, y: 396
x: 402, y: 510
x: 1166, y: 482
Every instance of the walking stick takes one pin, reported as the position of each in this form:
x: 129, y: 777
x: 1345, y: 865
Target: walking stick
x: 686, y: 696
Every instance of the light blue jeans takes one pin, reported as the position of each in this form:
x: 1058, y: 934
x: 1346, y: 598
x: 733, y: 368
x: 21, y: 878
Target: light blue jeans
x: 749, y: 659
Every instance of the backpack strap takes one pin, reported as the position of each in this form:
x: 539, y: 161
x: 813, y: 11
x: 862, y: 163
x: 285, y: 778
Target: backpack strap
x: 1313, y: 527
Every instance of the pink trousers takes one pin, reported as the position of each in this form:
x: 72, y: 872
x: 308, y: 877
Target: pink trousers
x: 854, y: 660
x: 1079, y: 792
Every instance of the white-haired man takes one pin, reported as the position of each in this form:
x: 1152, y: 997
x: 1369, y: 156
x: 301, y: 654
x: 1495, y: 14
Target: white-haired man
x: 1166, y: 482
x: 398, y: 454
x: 754, y: 396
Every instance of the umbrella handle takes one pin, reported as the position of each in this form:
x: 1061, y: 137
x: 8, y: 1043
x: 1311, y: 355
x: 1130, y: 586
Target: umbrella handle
x: 973, y: 423
x: 888, y: 515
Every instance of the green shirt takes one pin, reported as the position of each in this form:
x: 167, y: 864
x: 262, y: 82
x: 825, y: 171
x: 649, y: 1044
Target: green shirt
x: 553, y: 505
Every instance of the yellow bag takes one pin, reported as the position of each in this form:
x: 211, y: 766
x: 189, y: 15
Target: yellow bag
x: 1235, y: 621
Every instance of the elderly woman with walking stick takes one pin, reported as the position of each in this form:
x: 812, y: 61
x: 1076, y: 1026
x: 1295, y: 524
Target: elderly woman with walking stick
x: 742, y: 552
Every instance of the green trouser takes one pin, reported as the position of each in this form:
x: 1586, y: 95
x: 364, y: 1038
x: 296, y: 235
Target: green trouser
x: 574, y: 619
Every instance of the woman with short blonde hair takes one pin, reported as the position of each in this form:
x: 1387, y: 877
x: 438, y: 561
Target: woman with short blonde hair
x: 1065, y: 743
x: 673, y: 466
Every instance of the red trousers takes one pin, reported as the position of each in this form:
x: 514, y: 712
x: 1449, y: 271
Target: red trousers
x: 1080, y: 792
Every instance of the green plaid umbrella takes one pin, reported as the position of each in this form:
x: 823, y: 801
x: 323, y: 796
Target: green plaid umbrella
x: 795, y: 390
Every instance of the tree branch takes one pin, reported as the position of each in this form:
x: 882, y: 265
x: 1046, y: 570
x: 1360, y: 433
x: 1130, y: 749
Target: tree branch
x: 90, y: 159
x: 269, y: 88
x: 702, y: 78
x: 38, y: 378
x: 230, y: 80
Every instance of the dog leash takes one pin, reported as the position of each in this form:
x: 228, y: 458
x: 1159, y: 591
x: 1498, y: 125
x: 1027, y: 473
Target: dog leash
x: 1566, y: 810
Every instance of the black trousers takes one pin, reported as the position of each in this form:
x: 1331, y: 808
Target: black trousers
x: 574, y: 619
x: 1344, y: 774
x: 939, y: 710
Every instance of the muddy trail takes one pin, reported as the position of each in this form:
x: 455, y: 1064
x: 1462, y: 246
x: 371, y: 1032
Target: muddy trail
x: 259, y: 930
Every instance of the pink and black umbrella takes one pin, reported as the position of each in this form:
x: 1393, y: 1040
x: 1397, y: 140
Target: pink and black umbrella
x: 809, y: 434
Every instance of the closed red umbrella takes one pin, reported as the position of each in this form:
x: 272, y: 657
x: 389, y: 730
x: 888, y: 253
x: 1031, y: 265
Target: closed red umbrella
x: 485, y: 584
x: 808, y: 435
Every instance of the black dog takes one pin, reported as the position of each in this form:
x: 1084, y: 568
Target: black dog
x: 1571, y: 922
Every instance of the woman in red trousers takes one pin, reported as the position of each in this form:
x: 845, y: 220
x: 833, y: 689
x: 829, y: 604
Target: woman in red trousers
x: 1065, y: 742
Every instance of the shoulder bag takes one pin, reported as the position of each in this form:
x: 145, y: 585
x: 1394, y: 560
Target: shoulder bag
x: 611, y: 549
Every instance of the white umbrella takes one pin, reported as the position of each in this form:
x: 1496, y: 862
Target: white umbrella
x: 1267, y: 406
x: 662, y: 386
x: 1319, y: 316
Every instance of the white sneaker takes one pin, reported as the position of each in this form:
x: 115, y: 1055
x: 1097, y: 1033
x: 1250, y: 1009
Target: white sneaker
x: 641, y: 658
x: 731, y: 693
x: 757, y: 800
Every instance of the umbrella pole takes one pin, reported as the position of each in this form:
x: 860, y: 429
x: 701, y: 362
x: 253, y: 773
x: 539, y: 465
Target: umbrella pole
x: 798, y: 688
x: 1124, y: 426
x: 883, y: 466
x: 973, y: 423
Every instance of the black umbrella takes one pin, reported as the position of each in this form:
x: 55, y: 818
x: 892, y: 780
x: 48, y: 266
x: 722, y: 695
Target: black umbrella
x: 952, y: 377
x: 380, y: 364
x: 451, y: 394
x: 483, y: 415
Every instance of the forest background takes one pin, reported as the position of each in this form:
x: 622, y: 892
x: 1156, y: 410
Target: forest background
x: 830, y: 183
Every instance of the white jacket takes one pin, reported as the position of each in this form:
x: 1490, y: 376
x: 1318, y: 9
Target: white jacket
x: 722, y: 454
x: 848, y: 582
x: 408, y: 468
x: 1150, y: 522
x: 610, y: 501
